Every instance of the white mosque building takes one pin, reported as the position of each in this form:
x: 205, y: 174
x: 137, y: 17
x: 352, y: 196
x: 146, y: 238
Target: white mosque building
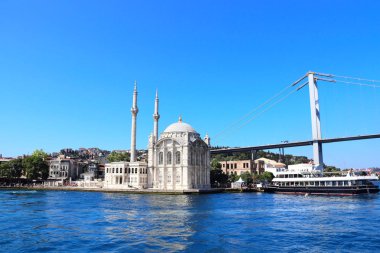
x: 178, y: 159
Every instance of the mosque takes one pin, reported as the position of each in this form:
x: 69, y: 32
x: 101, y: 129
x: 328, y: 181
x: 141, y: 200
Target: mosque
x: 178, y: 159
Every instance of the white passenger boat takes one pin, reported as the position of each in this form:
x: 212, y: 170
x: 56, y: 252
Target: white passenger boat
x: 308, y: 180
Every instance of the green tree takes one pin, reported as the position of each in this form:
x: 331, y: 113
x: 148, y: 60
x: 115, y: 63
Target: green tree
x: 215, y: 164
x: 35, y: 166
x: 5, y: 170
x: 330, y: 169
x: 218, y: 177
x: 118, y: 157
x: 11, y: 169
x: 233, y: 177
x: 16, y: 167
x: 266, y: 176
x: 247, y: 177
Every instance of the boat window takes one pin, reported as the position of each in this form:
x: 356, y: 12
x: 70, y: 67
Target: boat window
x: 340, y: 183
x: 322, y: 183
x: 316, y: 183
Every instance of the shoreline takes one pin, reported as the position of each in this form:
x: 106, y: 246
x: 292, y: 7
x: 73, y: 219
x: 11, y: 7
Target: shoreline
x: 132, y: 191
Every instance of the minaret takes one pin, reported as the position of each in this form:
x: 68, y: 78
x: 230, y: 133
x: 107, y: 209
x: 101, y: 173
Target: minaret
x: 156, y: 117
x: 207, y: 140
x: 134, y: 111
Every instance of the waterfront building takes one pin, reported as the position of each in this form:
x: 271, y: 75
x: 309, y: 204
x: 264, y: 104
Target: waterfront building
x: 62, y: 169
x: 238, y: 167
x: 265, y: 164
x: 178, y: 159
x: 92, y: 171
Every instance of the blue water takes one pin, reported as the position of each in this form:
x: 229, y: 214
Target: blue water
x: 48, y: 221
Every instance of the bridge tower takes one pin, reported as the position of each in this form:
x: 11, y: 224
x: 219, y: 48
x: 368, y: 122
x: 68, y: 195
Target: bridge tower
x: 315, y: 121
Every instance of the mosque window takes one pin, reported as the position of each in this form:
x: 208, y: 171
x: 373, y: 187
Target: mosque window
x: 178, y: 157
x: 169, y: 158
x: 129, y: 170
x: 113, y: 170
x: 160, y: 158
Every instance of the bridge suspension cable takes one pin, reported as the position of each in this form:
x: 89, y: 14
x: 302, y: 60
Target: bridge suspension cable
x: 256, y: 113
x: 357, y: 78
x: 276, y: 99
x: 357, y: 84
x: 338, y: 79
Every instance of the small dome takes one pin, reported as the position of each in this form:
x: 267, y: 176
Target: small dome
x: 179, y: 127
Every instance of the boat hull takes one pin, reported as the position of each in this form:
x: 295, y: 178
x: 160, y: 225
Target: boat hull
x: 333, y: 191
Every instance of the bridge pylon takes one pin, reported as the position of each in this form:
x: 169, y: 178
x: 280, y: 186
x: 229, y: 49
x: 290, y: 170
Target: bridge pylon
x: 315, y: 121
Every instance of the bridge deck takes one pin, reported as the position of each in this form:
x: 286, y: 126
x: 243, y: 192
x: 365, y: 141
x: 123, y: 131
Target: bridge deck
x: 293, y: 144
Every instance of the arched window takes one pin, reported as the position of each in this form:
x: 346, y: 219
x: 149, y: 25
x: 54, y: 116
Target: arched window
x: 160, y: 158
x: 169, y: 158
x: 178, y: 157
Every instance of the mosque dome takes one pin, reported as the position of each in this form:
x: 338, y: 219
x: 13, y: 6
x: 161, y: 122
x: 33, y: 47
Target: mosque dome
x: 180, y: 127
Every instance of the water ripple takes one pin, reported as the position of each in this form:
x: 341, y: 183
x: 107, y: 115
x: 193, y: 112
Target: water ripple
x: 99, y: 222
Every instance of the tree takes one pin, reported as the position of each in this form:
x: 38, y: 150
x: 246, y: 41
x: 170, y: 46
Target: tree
x: 5, y: 170
x: 330, y: 169
x: 233, y: 177
x: 118, y: 157
x: 215, y: 164
x: 35, y: 166
x: 266, y: 176
x: 16, y: 168
x: 247, y: 177
x: 11, y: 169
x: 218, y: 177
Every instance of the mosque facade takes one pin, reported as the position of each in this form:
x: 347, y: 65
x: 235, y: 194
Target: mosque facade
x: 178, y: 159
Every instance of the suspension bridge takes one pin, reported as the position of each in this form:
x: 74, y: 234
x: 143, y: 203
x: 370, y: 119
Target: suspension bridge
x: 310, y: 79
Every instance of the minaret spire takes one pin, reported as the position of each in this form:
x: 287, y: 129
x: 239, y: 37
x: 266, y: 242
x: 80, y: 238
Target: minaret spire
x: 134, y: 111
x: 156, y: 117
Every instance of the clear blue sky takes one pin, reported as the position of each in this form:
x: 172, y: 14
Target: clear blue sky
x: 67, y: 70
